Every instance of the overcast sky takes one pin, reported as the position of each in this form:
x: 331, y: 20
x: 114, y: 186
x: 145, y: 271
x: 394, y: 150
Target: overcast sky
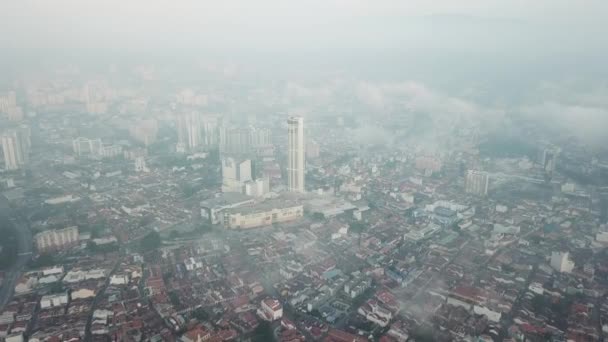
x: 94, y: 23
x: 498, y: 42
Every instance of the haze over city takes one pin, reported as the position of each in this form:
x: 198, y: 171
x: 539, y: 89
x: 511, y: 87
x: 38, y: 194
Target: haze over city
x: 339, y: 171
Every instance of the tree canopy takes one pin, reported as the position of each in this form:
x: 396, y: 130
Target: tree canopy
x: 151, y: 241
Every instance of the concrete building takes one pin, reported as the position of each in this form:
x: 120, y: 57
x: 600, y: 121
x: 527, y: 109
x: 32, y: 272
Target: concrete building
x: 235, y: 140
x: 258, y: 187
x: 243, y: 140
x: 83, y: 146
x: 476, y: 182
x: 212, y: 209
x: 271, y: 309
x: 560, y: 261
x: 53, y: 300
x: 140, y: 165
x: 263, y: 214
x: 548, y: 159
x: 56, y: 239
x: 15, y: 147
x: 235, y: 173
x: 189, y: 130
x: 110, y: 151
x: 8, y: 100
x: 295, y: 154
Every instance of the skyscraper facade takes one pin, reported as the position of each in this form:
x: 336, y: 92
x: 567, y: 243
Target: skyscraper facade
x: 235, y: 173
x: 189, y: 130
x: 477, y: 182
x: 295, y: 154
x: 15, y: 147
x: 195, y: 130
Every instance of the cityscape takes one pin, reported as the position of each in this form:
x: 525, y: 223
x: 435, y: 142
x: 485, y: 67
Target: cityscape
x: 208, y: 198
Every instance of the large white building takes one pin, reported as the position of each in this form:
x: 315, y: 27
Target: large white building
x: 56, y: 239
x: 560, y: 261
x: 263, y: 214
x: 235, y: 174
x: 53, y: 300
x: 477, y: 182
x: 295, y: 154
x: 258, y: 187
x: 271, y: 309
x: 15, y: 147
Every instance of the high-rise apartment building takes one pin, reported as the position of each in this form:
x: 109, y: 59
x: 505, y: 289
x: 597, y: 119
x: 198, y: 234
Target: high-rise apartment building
x: 549, y: 159
x: 295, y: 154
x: 15, y: 147
x: 84, y: 146
x: 56, y: 239
x: 195, y: 130
x: 189, y: 130
x: 243, y: 140
x: 476, y: 182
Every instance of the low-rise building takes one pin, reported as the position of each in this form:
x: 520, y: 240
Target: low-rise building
x: 262, y: 214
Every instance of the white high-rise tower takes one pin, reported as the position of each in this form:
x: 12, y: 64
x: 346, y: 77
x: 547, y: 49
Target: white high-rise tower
x: 15, y: 147
x: 295, y: 154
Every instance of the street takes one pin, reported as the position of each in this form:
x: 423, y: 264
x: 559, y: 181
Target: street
x: 24, y: 250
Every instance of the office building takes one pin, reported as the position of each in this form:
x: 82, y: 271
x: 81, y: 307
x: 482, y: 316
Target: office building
x: 295, y: 154
x: 56, y: 239
x: 15, y: 147
x: 476, y: 182
x: 235, y: 173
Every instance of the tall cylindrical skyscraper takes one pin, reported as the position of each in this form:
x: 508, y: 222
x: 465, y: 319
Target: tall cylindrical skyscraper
x: 295, y: 154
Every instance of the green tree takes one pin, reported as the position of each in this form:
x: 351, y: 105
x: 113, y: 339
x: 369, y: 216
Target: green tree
x: 263, y: 333
x: 151, y: 241
x: 356, y: 227
x: 318, y: 217
x: 174, y: 298
x: 200, y: 314
x: 44, y: 260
